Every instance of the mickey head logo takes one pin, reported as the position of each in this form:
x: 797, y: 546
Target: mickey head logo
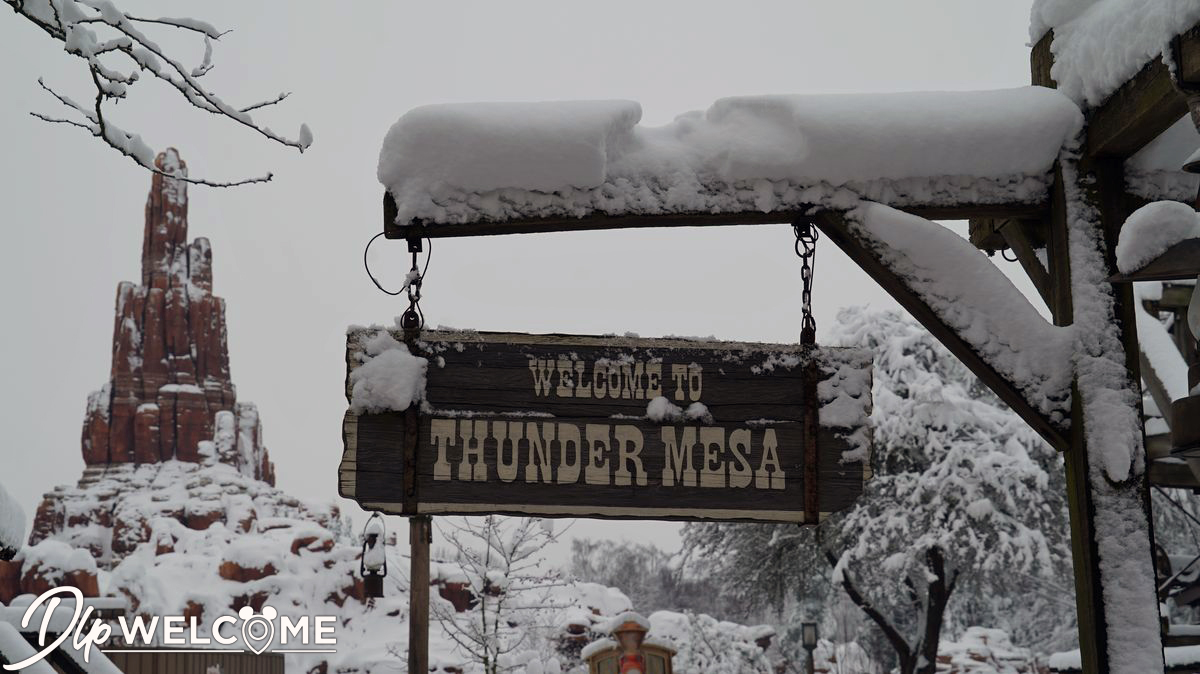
x: 258, y: 631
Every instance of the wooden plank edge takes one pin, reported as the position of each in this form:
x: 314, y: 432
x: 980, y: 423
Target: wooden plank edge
x: 348, y: 467
x: 602, y: 222
x: 601, y: 512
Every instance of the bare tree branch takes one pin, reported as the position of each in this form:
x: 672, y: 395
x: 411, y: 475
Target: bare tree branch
x: 72, y: 22
x: 897, y: 640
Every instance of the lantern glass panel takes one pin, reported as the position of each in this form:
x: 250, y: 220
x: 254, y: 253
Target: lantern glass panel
x: 809, y: 635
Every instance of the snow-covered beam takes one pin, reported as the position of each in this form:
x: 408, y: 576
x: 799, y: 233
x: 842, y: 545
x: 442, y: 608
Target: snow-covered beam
x: 968, y: 304
x: 506, y: 168
x: 1141, y: 108
x: 931, y: 211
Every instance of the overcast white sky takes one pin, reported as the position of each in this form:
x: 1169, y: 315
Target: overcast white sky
x: 287, y: 255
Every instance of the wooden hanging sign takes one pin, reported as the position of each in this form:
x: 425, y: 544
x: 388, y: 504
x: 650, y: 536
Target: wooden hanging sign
x: 622, y: 427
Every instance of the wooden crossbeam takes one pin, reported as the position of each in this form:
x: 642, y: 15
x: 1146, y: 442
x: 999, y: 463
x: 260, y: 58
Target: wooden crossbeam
x: 1136, y: 114
x: 1139, y: 110
x: 834, y: 226
x: 594, y: 222
x: 1169, y: 474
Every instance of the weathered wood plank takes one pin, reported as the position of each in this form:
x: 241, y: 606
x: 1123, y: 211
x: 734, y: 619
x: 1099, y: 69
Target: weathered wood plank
x: 1139, y: 110
x: 1143, y: 107
x: 558, y: 425
x: 600, y: 221
x: 1187, y: 57
x: 420, y: 535
x: 1041, y: 60
x: 347, y: 467
x: 513, y: 481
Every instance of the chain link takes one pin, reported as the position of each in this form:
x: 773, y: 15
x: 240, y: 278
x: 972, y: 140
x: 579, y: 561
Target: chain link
x: 806, y: 249
x: 413, y: 318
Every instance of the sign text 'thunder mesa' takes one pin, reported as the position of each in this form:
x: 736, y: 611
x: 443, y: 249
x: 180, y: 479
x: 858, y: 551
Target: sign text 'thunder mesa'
x: 562, y: 425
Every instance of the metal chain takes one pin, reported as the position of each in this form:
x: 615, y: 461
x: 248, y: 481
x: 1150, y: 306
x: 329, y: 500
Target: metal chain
x: 806, y: 249
x: 413, y: 318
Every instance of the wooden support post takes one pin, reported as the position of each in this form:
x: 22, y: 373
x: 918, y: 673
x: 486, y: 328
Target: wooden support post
x: 420, y: 535
x: 420, y: 527
x: 1097, y: 619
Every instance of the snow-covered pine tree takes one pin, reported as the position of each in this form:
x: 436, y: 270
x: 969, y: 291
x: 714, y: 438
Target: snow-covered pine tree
x: 965, y: 492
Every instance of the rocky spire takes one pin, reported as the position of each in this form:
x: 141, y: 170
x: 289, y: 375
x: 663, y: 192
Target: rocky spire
x: 170, y: 395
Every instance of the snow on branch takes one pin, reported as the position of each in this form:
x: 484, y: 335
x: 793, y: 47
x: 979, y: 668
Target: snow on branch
x: 119, y: 55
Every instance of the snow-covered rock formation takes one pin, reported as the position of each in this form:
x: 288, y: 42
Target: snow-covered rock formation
x: 177, y: 513
x: 169, y: 397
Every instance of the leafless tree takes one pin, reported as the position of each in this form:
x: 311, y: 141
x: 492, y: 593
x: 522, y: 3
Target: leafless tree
x: 512, y: 587
x: 118, y: 55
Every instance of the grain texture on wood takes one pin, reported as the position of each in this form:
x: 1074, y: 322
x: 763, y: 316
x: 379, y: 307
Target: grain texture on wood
x: 598, y: 221
x: 561, y: 425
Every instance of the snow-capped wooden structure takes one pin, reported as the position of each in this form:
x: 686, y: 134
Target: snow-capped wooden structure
x: 1031, y: 168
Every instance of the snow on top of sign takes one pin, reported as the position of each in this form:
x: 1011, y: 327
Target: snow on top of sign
x: 1151, y: 230
x: 976, y: 300
x: 455, y: 163
x: 1099, y: 44
x: 390, y: 378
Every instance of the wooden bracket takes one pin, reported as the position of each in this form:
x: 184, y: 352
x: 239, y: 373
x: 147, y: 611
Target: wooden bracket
x: 834, y: 226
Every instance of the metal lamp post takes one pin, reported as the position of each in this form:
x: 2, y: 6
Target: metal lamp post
x: 808, y: 639
x: 373, y: 563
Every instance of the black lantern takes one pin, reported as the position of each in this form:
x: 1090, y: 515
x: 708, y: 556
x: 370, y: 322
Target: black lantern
x: 808, y: 639
x: 808, y: 635
x: 373, y: 563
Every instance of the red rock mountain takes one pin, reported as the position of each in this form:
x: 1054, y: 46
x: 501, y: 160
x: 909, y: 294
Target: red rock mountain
x: 170, y: 395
